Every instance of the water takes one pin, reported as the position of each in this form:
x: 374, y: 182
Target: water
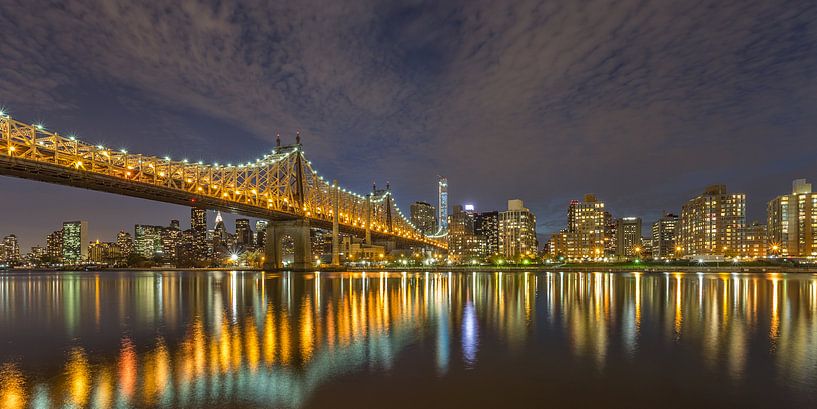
x: 397, y: 340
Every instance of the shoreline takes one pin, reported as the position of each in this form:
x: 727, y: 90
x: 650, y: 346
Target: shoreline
x: 469, y: 269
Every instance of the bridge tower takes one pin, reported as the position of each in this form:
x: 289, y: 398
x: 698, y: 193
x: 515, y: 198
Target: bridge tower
x: 297, y: 229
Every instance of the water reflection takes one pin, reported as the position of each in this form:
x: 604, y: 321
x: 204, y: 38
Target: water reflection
x: 247, y: 339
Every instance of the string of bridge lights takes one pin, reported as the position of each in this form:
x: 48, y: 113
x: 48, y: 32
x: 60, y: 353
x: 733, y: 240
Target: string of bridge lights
x: 265, y: 160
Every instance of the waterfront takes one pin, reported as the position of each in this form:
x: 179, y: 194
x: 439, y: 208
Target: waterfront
x: 486, y: 339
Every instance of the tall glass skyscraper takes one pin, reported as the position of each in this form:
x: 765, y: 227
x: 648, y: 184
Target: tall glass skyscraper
x: 74, y: 241
x: 442, y: 210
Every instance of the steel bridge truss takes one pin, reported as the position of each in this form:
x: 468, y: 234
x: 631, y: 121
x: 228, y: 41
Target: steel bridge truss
x: 282, y: 185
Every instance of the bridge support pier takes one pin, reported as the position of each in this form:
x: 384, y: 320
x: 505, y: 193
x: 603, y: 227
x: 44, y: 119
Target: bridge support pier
x: 273, y: 251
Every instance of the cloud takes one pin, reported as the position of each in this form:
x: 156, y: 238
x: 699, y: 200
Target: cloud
x: 641, y: 102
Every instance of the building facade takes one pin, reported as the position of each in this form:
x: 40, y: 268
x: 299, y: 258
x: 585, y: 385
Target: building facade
x: 712, y: 224
x: 792, y: 222
x: 148, y: 240
x: 663, y: 237
x: 486, y: 225
x: 517, y: 231
x: 423, y: 217
x: 74, y: 242
x: 755, y: 242
x: 586, y: 229
x: 628, y: 237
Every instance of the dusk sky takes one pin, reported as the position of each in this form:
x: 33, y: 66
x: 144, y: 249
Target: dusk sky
x: 643, y: 103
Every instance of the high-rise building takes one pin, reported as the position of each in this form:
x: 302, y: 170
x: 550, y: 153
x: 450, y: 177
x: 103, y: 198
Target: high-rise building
x: 74, y: 242
x: 628, y: 237
x: 125, y: 243
x: 463, y: 243
x: 585, y: 229
x: 171, y: 240
x: 663, y: 237
x: 610, y: 235
x: 423, y: 217
x: 243, y: 233
x: 261, y: 233
x: 148, y: 240
x: 53, y: 246
x: 10, y: 250
x: 713, y: 223
x: 517, y: 231
x: 442, y: 208
x: 792, y: 222
x: 199, y: 246
x: 755, y: 243
x: 486, y: 224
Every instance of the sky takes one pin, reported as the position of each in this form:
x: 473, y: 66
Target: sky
x: 643, y: 103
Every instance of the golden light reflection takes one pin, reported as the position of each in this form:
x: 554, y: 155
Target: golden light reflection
x: 12, y: 387
x: 78, y: 376
x: 280, y: 332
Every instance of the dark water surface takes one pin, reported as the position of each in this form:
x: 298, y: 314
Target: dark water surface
x: 410, y: 340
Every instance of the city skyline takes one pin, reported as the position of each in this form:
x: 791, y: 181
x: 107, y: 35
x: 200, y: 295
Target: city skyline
x: 676, y: 112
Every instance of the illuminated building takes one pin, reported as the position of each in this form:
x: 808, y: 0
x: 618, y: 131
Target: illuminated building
x: 171, y: 240
x: 712, y: 223
x: 663, y: 237
x: 10, y: 250
x: 517, y: 231
x: 755, y: 243
x: 463, y: 243
x: 486, y: 225
x: 442, y: 208
x: 260, y: 233
x: 200, y: 249
x: 610, y: 243
x: 585, y: 229
x: 243, y: 233
x: 792, y: 222
x: 53, y: 246
x: 422, y: 216
x: 557, y: 245
x: 74, y: 242
x: 148, y: 240
x: 125, y: 243
x: 628, y: 237
x: 104, y: 252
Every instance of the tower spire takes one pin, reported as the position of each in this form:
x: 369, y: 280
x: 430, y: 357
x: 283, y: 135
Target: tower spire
x: 277, y: 139
x: 298, y: 137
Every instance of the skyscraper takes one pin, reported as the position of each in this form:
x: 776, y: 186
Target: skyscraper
x: 198, y: 226
x: 486, y: 224
x: 53, y: 246
x: 74, y: 242
x: 260, y: 233
x: 517, y: 231
x: 125, y: 243
x: 792, y: 222
x: 442, y: 209
x: 713, y: 223
x: 463, y: 243
x: 585, y: 229
x: 423, y: 218
x: 628, y: 237
x: 663, y: 237
x: 10, y: 250
x: 243, y: 233
x: 148, y: 240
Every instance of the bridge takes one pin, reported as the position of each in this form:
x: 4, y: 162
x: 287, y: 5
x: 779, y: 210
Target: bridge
x: 282, y: 187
